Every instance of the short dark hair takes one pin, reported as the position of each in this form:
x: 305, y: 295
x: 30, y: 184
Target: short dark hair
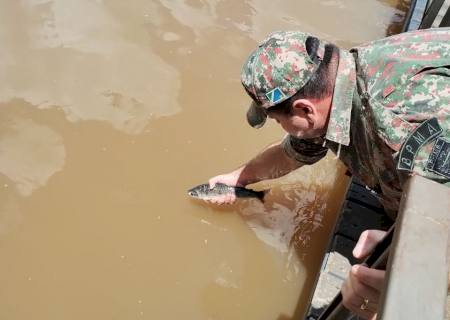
x: 320, y: 85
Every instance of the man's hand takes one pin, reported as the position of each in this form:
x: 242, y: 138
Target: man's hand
x: 361, y: 290
x: 230, y: 179
x: 271, y: 163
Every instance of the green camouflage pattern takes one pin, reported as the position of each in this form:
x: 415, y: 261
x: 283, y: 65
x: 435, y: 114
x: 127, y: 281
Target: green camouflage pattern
x: 344, y: 88
x: 280, y: 61
x: 403, y: 81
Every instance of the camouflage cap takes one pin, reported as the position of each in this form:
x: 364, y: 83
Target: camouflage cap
x: 275, y: 71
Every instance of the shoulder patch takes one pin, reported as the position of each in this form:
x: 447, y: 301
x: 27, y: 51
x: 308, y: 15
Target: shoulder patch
x: 424, y: 133
x: 439, y: 160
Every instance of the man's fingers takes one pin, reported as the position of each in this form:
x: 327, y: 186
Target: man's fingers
x: 212, y: 183
x: 213, y: 200
x: 367, y: 242
x: 362, y: 289
x: 367, y: 314
x: 224, y: 199
x: 353, y: 301
x: 231, y: 198
x: 371, y: 277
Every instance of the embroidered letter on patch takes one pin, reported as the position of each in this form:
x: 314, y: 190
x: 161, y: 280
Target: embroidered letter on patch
x: 439, y: 160
x: 424, y: 133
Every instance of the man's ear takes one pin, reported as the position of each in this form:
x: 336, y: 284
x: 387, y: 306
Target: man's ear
x: 306, y: 109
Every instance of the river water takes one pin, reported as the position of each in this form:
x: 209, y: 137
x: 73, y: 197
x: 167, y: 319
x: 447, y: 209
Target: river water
x: 109, y: 112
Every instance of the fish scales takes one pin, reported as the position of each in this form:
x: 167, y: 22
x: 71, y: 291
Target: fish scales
x: 204, y: 192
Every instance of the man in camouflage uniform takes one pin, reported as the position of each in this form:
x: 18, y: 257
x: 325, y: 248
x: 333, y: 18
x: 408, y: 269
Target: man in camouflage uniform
x: 383, y: 108
x: 382, y: 91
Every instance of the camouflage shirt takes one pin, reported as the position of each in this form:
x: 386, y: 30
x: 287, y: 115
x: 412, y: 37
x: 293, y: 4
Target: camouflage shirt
x: 384, y: 90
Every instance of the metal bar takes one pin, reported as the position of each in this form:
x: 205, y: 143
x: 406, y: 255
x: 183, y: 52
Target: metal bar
x: 409, y: 14
x: 445, y: 22
x: 431, y: 14
x: 417, y: 273
x: 440, y: 16
x: 415, y: 14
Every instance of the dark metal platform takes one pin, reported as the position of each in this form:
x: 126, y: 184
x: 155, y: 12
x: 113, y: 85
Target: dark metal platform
x: 361, y: 210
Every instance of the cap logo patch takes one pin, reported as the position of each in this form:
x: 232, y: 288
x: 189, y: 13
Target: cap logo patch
x: 275, y: 95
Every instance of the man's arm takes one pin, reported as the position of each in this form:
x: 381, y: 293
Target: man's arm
x: 273, y: 162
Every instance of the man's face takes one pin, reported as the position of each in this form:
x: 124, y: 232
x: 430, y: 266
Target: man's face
x: 294, y: 124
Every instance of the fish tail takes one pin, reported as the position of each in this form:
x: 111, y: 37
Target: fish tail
x: 262, y: 194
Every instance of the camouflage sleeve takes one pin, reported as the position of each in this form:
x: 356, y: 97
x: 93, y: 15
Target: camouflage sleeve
x: 305, y: 151
x: 429, y: 96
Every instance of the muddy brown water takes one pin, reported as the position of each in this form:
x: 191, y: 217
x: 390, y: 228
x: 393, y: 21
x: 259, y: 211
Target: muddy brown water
x: 109, y: 112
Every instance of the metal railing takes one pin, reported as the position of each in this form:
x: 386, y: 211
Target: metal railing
x: 436, y: 15
x: 417, y: 271
x: 425, y: 14
x: 417, y: 268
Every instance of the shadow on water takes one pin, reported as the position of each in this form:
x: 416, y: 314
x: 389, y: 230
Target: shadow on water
x: 296, y: 219
x: 311, y: 238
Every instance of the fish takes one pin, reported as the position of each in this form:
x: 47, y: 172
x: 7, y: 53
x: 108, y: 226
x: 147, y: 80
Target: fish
x: 203, y: 192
